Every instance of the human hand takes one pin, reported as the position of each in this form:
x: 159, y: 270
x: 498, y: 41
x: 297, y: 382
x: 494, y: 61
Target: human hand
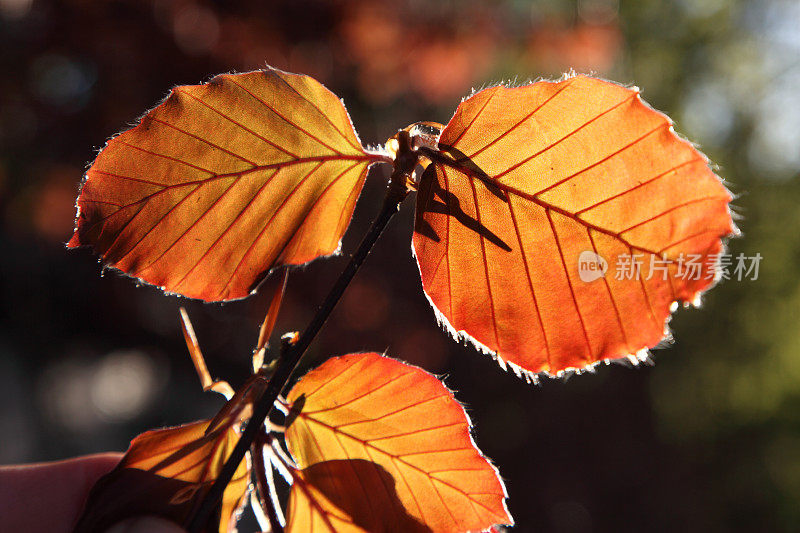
x: 49, y: 497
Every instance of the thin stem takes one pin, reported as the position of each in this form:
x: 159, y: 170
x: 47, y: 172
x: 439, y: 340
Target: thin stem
x: 265, y: 487
x: 292, y: 353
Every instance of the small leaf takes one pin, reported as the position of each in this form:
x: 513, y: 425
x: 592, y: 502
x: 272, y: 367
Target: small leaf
x: 528, y: 179
x: 167, y: 472
x: 390, y: 449
x: 224, y: 181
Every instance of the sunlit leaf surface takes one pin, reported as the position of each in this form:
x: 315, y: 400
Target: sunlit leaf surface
x: 384, y: 446
x: 224, y: 181
x: 532, y: 179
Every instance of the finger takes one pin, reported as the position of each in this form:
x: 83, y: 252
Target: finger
x: 49, y: 496
x: 146, y: 524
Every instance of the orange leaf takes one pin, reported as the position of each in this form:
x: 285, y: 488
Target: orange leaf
x: 527, y: 179
x: 224, y: 181
x: 389, y: 448
x: 167, y: 472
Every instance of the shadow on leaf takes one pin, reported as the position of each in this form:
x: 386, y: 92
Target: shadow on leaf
x: 435, y: 199
x: 366, y: 492
x: 119, y: 495
x: 167, y: 473
x: 295, y: 410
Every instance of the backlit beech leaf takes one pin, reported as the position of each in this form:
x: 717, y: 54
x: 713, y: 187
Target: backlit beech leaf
x: 166, y: 472
x: 224, y: 181
x: 529, y: 181
x: 384, y: 446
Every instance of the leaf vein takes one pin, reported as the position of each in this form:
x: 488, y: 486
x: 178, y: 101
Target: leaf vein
x: 242, y: 126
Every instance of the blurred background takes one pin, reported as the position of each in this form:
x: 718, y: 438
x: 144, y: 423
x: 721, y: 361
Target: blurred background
x: 706, y: 440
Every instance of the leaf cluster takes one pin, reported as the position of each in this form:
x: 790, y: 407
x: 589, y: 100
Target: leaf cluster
x: 225, y: 182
